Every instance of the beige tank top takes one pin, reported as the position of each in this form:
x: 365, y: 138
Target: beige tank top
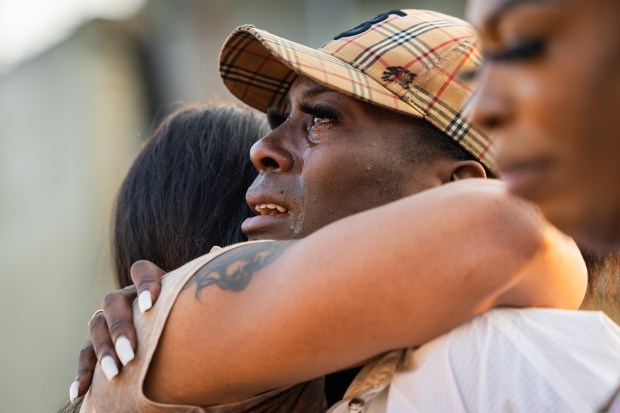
x: 124, y: 393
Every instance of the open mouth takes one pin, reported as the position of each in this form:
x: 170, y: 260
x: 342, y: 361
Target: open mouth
x: 270, y: 209
x: 272, y: 221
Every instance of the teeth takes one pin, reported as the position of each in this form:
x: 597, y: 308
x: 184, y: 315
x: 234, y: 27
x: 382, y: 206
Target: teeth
x: 269, y: 209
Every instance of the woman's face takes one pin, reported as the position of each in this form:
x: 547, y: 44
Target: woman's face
x: 550, y: 94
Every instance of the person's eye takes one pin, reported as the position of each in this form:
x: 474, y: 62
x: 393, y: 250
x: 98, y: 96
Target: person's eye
x: 319, y: 126
x: 521, y: 51
x: 322, y: 122
x: 323, y: 119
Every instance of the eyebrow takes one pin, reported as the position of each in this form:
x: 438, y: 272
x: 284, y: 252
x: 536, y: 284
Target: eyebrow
x: 311, y: 92
x: 506, y: 5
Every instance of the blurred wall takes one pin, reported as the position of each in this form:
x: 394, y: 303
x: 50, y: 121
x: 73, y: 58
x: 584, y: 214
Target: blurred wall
x: 184, y: 37
x: 71, y: 121
x: 69, y: 127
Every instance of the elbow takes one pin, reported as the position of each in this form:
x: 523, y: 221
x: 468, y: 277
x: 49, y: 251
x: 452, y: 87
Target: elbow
x: 516, y: 226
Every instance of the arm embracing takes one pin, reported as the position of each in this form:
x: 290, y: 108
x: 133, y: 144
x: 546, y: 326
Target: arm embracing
x: 274, y: 314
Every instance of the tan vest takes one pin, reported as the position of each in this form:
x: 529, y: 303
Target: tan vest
x: 124, y: 393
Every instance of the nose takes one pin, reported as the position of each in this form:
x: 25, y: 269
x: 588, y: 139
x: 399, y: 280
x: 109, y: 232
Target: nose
x: 491, y: 108
x: 270, y: 153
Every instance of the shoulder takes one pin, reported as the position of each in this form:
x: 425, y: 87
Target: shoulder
x: 529, y: 261
x: 304, y: 397
x: 550, y: 271
x: 534, y: 359
x: 263, y: 250
x: 527, y: 325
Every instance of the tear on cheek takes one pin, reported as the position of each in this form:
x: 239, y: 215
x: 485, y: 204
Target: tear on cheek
x: 316, y: 132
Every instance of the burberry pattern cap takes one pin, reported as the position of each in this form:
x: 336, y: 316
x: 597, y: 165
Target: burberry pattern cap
x: 410, y: 61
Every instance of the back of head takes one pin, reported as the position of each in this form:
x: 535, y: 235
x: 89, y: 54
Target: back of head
x: 185, y: 192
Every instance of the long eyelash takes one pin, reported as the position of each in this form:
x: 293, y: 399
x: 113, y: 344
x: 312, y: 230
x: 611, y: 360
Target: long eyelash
x: 522, y: 51
x: 275, y: 118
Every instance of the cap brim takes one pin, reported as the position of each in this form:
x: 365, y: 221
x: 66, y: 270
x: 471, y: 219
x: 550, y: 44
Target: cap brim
x: 259, y: 69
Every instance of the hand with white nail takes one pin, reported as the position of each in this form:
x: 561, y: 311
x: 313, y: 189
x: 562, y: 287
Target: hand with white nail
x: 112, y: 332
x: 124, y: 350
x: 108, y: 365
x: 145, y: 302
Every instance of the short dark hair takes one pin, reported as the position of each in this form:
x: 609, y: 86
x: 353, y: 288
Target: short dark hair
x: 185, y: 192
x: 432, y: 142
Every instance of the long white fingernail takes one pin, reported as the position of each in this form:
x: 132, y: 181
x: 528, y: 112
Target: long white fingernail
x: 73, y: 391
x: 145, y: 301
x: 124, y: 350
x: 108, y: 365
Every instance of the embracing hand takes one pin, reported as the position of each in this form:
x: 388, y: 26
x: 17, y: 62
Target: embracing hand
x: 112, y: 334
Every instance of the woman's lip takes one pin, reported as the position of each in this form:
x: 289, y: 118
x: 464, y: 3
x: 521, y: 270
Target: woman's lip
x: 522, y: 178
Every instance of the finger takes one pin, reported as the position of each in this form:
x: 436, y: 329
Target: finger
x: 117, y: 309
x: 146, y: 276
x: 86, y: 366
x: 104, y: 348
x: 130, y: 293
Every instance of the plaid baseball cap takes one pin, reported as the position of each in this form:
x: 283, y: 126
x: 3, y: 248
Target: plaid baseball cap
x: 408, y: 61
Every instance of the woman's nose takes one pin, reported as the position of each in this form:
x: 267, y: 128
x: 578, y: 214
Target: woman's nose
x: 490, y: 107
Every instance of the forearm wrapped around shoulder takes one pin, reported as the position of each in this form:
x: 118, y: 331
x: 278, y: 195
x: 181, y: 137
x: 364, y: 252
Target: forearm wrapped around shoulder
x: 548, y: 268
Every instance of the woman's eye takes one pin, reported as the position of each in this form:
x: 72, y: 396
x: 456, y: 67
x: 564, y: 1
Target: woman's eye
x: 521, y: 51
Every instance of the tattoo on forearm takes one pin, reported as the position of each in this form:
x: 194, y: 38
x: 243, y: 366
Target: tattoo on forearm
x: 234, y: 269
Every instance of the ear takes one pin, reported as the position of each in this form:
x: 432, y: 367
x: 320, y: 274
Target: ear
x: 467, y: 169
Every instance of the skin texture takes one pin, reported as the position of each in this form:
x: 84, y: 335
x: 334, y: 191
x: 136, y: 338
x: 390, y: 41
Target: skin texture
x: 434, y: 256
x: 283, y: 298
x: 550, y: 91
x: 324, y: 168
